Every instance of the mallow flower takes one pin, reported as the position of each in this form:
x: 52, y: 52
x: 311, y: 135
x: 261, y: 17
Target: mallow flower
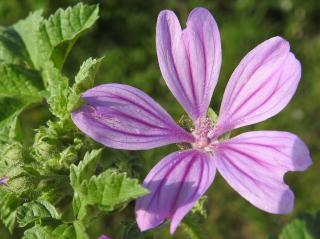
x: 253, y: 163
x: 104, y: 237
x: 4, y: 180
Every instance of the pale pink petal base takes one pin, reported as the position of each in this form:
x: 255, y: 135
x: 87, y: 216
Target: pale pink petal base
x: 254, y: 164
x: 175, y: 184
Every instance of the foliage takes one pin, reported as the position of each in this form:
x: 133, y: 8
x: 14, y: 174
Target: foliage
x: 306, y: 226
x: 58, y: 166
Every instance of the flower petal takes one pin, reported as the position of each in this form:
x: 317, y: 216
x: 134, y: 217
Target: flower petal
x: 190, y: 59
x: 123, y: 117
x: 176, y: 183
x: 104, y: 237
x: 254, y: 164
x: 4, y: 180
x: 261, y: 86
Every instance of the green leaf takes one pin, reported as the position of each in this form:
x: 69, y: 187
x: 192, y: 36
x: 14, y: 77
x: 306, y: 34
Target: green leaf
x: 19, y: 89
x: 80, y: 230
x: 61, y: 30
x: 192, y: 230
x: 110, y: 189
x: 86, y: 168
x: 36, y: 40
x: 8, y: 205
x: 191, y: 223
x: 306, y: 226
x: 11, y: 158
x: 20, y: 83
x: 296, y: 230
x: 28, y: 30
x: 131, y: 231
x: 10, y: 128
x: 59, y: 160
x: 85, y: 77
x: 57, y: 90
x: 62, y: 231
x: 38, y: 232
x: 54, y: 190
x: 56, y: 146
x: 83, y: 81
x: 199, y: 207
x: 12, y: 48
x: 106, y: 191
x: 52, y: 39
x: 10, y: 108
x: 83, y: 171
x: 35, y: 211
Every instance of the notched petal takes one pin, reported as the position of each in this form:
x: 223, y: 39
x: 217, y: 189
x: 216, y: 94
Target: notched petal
x: 175, y: 184
x: 254, y: 164
x: 189, y: 59
x: 261, y: 86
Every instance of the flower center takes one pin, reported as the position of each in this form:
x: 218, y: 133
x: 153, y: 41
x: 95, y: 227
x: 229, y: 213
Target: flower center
x: 202, y: 129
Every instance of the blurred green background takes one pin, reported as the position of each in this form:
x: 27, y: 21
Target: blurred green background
x: 125, y: 34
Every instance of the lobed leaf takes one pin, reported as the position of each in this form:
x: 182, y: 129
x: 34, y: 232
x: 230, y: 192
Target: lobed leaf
x: 38, y: 232
x: 17, y: 82
x: 57, y: 90
x: 12, y: 48
x: 10, y: 108
x: 106, y: 191
x: 80, y: 230
x: 34, y: 211
x: 86, y: 168
x: 131, y: 231
x: 8, y: 205
x: 11, y: 157
x: 83, y: 171
x: 85, y: 77
x: 32, y: 49
x: 62, y: 231
x: 110, y: 189
x: 306, y: 226
x: 28, y: 30
x: 19, y: 89
x: 83, y: 81
x: 61, y: 30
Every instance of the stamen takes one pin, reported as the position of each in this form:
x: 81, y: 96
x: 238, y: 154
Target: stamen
x: 203, y: 127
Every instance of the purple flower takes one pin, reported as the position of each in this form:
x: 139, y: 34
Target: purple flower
x: 253, y: 163
x: 104, y: 237
x: 4, y: 180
